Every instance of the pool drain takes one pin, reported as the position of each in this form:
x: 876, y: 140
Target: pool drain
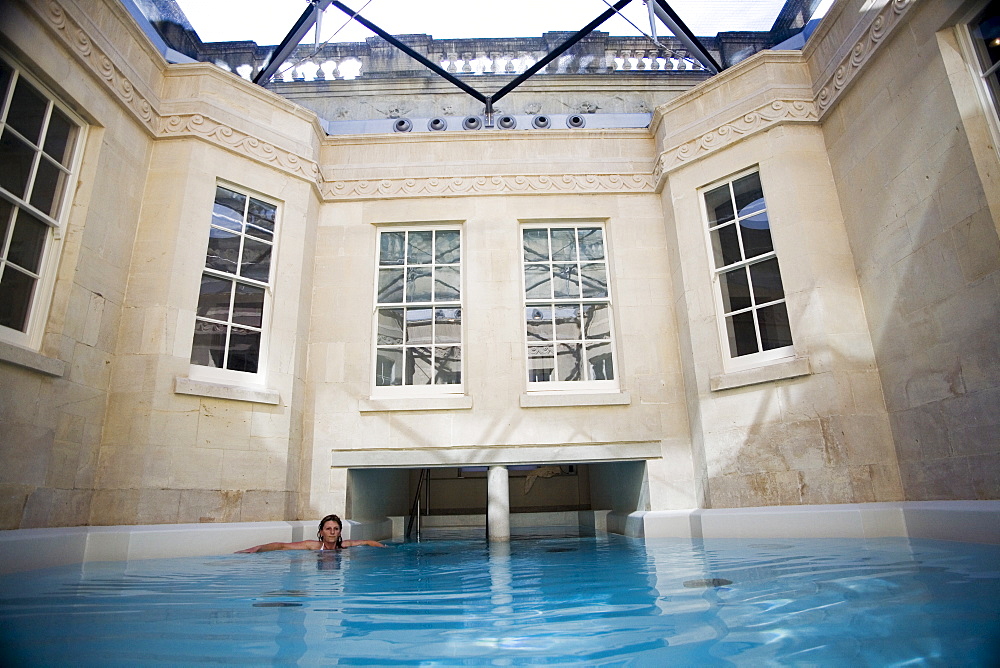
x: 710, y: 582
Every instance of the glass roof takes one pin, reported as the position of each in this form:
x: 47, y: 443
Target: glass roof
x: 266, y: 22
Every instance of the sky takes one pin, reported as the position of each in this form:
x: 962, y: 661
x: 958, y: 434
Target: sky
x: 267, y: 21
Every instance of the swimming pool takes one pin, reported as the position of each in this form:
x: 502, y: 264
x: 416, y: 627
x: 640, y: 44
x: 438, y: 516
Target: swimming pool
x: 547, y: 597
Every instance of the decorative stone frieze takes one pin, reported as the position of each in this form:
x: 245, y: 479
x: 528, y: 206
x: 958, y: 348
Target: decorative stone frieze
x: 518, y: 184
x: 203, y: 127
x: 774, y: 113
x: 883, y: 23
x: 82, y: 44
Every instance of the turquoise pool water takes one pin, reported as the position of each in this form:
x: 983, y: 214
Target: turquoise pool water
x: 553, y: 597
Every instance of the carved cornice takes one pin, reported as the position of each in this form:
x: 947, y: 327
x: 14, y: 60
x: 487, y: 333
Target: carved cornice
x: 519, y: 184
x: 80, y: 43
x: 203, y: 127
x: 758, y: 120
x: 881, y: 26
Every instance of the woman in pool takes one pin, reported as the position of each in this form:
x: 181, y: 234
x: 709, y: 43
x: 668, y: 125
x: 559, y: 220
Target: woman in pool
x: 328, y: 537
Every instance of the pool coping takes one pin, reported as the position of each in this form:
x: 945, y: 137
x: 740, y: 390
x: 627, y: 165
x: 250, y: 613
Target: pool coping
x: 967, y: 521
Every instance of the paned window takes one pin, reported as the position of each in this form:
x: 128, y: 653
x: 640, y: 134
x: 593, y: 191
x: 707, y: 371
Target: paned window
x: 985, y: 33
x: 746, y: 268
x: 37, y: 140
x: 567, y: 306
x: 235, y: 284
x: 418, y: 310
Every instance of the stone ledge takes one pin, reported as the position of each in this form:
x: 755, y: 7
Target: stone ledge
x: 442, y: 403
x: 793, y: 368
x: 29, y: 359
x: 545, y: 400
x: 201, y: 388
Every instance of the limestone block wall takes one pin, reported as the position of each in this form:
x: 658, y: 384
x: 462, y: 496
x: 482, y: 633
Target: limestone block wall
x: 489, y: 186
x: 811, y: 428
x: 916, y: 175
x: 52, y: 409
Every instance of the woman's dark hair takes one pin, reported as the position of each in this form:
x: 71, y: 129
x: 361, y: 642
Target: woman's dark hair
x: 330, y: 518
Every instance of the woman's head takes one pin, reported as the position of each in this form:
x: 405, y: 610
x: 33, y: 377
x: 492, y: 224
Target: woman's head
x: 335, y: 521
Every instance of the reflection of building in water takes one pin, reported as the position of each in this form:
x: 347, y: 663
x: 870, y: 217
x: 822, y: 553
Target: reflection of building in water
x: 775, y: 285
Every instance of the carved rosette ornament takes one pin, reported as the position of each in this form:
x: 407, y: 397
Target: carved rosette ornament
x: 523, y: 184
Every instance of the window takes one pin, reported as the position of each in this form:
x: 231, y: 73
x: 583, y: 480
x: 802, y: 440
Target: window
x: 985, y: 33
x: 567, y: 302
x: 229, y: 326
x: 418, y: 310
x: 746, y: 270
x: 37, y: 141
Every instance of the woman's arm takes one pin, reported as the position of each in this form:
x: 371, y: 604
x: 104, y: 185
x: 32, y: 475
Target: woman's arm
x: 271, y: 547
x: 353, y: 543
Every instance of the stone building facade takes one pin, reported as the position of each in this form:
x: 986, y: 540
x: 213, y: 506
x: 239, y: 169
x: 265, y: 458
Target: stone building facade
x: 783, y: 291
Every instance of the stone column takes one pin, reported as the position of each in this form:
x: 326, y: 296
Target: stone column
x: 497, y: 505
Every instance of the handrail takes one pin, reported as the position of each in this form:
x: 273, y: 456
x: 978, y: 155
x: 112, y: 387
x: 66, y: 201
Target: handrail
x: 414, y: 515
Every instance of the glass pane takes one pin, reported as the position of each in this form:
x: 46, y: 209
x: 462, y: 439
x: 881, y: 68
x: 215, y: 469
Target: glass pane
x: 418, y: 284
x: 742, y: 336
x: 228, y: 209
x: 419, y: 247
x: 566, y: 281
x: 756, y: 235
x: 5, y: 74
x: 389, y: 367
x: 446, y: 284
x: 418, y: 366
x: 213, y: 302
x: 223, y: 250
x: 6, y: 208
x: 564, y: 245
x: 599, y: 361
x: 541, y: 364
x: 15, y: 164
x: 244, y: 350
x: 57, y: 137
x: 568, y: 361
x: 725, y: 246
x: 448, y: 325
x: 766, y: 281
x: 735, y: 290
x: 536, y: 245
x: 209, y: 348
x: 248, y: 308
x: 256, y: 260
x: 391, y: 246
x: 15, y: 298
x: 567, y: 322
x: 390, y: 286
x: 448, y: 365
x: 390, y: 327
x: 591, y: 243
x: 749, y: 195
x: 27, y: 110
x: 446, y: 247
x: 260, y: 219
x: 537, y: 283
x: 595, y: 280
x: 418, y: 325
x: 48, y: 185
x: 596, y: 321
x: 719, y: 205
x: 774, y: 329
x: 539, y: 323
x: 27, y: 242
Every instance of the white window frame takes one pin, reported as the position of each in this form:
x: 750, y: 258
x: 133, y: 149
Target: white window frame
x: 230, y: 376
x: 970, y: 54
x: 417, y: 391
x: 569, y: 386
x: 41, y: 300
x: 731, y: 362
